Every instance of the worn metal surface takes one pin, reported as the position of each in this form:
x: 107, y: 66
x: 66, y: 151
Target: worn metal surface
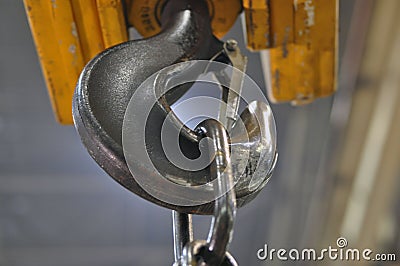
x: 232, y: 96
x: 195, y: 255
x: 67, y: 35
x: 57, y: 44
x: 182, y: 230
x: 145, y: 15
x: 112, y: 21
x: 108, y: 82
x: 301, y: 37
x: 88, y: 27
x: 221, y: 230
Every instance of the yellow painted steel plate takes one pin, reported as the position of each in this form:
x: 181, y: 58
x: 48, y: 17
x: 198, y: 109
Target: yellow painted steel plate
x: 301, y: 36
x: 67, y: 34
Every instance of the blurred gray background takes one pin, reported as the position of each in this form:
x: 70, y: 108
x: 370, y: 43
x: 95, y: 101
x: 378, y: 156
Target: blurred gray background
x: 337, y: 173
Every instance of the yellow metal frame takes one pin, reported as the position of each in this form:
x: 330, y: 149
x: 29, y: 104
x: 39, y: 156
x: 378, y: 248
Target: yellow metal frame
x: 301, y: 36
x: 67, y: 34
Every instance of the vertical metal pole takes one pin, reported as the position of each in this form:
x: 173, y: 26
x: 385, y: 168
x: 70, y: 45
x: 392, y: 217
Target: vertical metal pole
x: 183, y: 232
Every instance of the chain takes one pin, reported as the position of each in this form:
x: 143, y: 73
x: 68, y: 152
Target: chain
x: 214, y: 250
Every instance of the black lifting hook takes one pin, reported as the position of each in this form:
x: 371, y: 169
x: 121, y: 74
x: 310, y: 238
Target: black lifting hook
x: 108, y: 82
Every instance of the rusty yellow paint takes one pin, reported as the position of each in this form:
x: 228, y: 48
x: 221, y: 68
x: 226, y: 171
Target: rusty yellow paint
x: 88, y: 25
x: 257, y: 15
x: 145, y: 15
x: 301, y: 36
x: 223, y: 15
x: 128, y: 4
x: 112, y: 22
x: 57, y: 43
x: 67, y: 34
